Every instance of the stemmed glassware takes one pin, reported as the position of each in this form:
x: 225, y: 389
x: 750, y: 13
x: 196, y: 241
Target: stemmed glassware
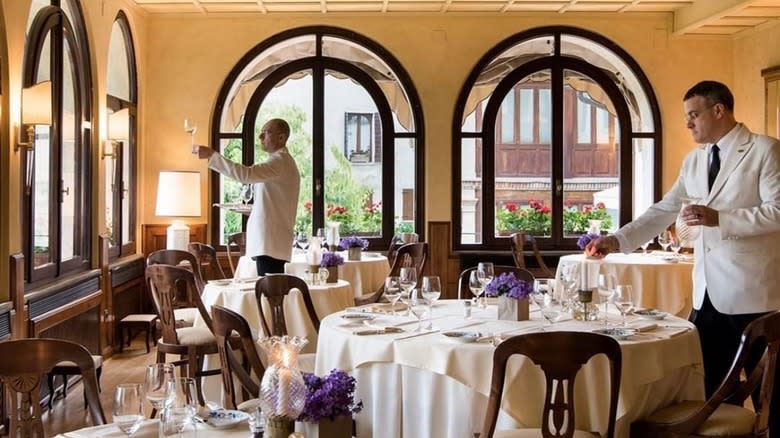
x: 302, y: 240
x: 246, y: 193
x: 393, y: 291
x: 624, y: 300
x: 606, y: 290
x: 156, y: 383
x: 181, y: 404
x: 407, y: 280
x: 676, y: 246
x: 418, y: 306
x: 645, y: 245
x: 551, y: 310
x: 475, y: 284
x: 190, y: 128
x: 485, y: 273
x: 569, y: 277
x: 128, y: 407
x: 541, y: 289
x: 431, y: 291
x: 665, y: 239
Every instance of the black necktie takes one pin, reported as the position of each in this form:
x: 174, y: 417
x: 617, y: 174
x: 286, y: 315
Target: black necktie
x: 714, y: 165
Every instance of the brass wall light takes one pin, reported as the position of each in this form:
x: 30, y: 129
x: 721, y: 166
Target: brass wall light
x: 36, y: 110
x: 118, y: 131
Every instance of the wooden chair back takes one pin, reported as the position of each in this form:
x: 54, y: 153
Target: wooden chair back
x: 560, y: 355
x: 761, y: 334
x: 410, y: 254
x: 26, y: 366
x: 208, y: 263
x: 177, y: 257
x: 226, y: 323
x: 236, y: 247
x: 519, y: 241
x: 275, y: 287
x: 520, y: 274
x: 399, y: 240
x: 173, y: 287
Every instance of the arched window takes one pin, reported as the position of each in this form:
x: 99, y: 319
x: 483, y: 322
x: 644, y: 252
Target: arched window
x: 554, y: 127
x: 56, y: 198
x: 120, y: 165
x: 357, y: 131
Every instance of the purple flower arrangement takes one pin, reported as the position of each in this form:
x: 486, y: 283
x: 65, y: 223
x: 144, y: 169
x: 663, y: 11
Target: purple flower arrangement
x: 585, y: 239
x: 509, y: 285
x: 352, y: 242
x: 330, y: 259
x: 330, y: 396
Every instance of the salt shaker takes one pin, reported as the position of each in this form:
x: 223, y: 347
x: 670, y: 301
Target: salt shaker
x: 467, y: 309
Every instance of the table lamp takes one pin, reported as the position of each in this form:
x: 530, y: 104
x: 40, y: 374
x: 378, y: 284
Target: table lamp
x: 178, y: 195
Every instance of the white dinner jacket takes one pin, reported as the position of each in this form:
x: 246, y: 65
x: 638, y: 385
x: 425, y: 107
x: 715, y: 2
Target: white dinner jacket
x: 276, y: 183
x: 738, y: 262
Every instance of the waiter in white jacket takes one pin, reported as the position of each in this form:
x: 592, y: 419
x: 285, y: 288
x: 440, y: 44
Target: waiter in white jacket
x: 276, y: 183
x: 736, y: 174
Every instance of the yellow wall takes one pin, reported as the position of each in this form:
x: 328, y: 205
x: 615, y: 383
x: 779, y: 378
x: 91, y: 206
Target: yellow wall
x: 183, y: 60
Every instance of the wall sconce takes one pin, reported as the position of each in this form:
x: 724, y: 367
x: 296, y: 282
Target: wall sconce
x: 118, y: 130
x: 36, y: 110
x: 178, y: 194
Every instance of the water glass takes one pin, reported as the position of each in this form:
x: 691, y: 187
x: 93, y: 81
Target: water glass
x: 407, y: 279
x: 606, y: 290
x: 665, y: 239
x: 475, y: 286
x: 431, y: 291
x: 128, y: 407
x: 551, y: 310
x: 541, y: 289
x: 181, y: 403
x: 393, y: 291
x: 418, y: 306
x: 624, y: 300
x: 156, y: 383
x: 485, y: 273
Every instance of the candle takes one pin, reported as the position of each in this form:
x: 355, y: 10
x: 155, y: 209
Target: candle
x: 283, y: 405
x: 584, y: 276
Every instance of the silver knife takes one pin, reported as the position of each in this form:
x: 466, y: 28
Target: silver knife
x: 414, y: 335
x: 383, y: 331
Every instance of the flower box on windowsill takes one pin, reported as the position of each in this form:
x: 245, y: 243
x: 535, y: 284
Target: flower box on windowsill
x: 359, y: 157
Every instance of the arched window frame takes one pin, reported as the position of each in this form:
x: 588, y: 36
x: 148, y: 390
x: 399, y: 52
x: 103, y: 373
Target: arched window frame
x: 53, y: 20
x: 125, y: 169
x: 318, y: 63
x: 487, y: 134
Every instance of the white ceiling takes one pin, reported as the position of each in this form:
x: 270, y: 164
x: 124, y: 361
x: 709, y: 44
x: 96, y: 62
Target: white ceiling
x: 691, y: 17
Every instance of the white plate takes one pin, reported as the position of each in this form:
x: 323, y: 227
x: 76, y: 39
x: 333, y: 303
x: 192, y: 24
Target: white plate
x: 652, y: 314
x: 224, y: 282
x: 357, y: 317
x: 617, y: 333
x: 225, y: 419
x: 462, y: 336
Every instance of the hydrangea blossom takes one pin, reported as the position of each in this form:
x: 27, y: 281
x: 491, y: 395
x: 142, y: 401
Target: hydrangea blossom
x: 585, y: 239
x: 509, y: 285
x: 352, y: 242
x: 330, y: 259
x: 330, y: 396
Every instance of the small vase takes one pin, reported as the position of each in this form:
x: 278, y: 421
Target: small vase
x: 279, y: 427
x: 340, y: 427
x: 594, y: 226
x: 512, y: 309
x: 354, y: 253
x: 333, y: 274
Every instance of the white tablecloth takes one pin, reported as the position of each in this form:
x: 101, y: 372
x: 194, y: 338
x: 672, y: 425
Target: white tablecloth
x: 433, y: 387
x: 150, y: 429
x: 657, y: 283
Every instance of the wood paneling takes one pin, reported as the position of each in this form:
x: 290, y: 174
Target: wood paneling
x: 442, y: 262
x: 155, y: 236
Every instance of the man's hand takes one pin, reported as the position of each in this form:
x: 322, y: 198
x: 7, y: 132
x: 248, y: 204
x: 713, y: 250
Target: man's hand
x: 202, y: 151
x: 602, y: 246
x: 700, y: 215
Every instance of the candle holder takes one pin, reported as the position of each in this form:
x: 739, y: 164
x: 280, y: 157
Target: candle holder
x: 282, y: 390
x: 583, y: 308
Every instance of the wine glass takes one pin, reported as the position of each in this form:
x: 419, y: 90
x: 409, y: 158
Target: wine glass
x: 569, y: 276
x: 128, y: 407
x: 606, y: 290
x: 190, y: 128
x: 644, y: 246
x: 393, y: 291
x: 246, y: 193
x: 156, y: 383
x: 302, y: 240
x: 418, y: 306
x: 676, y: 246
x: 541, y: 289
x: 551, y: 310
x: 181, y: 404
x: 475, y: 285
x: 431, y: 291
x: 485, y: 274
x: 624, y: 300
x: 407, y: 279
x: 665, y: 239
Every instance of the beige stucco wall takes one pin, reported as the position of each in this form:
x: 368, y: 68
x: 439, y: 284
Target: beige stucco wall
x: 753, y: 52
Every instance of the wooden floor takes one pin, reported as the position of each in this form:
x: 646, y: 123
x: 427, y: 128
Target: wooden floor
x: 69, y: 414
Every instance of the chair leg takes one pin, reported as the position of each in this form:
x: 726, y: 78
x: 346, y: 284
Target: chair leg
x: 50, y: 383
x: 148, y: 329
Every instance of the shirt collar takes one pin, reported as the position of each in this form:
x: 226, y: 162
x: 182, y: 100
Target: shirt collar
x: 726, y: 142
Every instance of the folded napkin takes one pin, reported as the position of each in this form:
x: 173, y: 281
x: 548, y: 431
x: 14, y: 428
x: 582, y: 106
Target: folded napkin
x: 149, y: 429
x: 644, y: 326
x: 381, y: 308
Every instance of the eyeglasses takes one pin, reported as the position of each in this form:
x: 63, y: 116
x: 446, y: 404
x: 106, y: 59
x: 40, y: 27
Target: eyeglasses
x: 266, y: 132
x: 693, y: 115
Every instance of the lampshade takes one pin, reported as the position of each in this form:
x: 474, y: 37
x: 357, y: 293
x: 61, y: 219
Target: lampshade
x: 178, y: 194
x: 119, y: 125
x: 36, y: 104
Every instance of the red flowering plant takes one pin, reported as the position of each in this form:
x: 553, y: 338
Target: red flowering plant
x: 534, y: 219
x: 303, y: 218
x: 329, y: 397
x: 372, y: 218
x: 575, y: 219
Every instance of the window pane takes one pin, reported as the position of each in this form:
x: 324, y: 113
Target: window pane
x: 471, y: 190
x: 353, y: 185
x: 590, y: 184
x: 40, y: 190
x: 127, y: 193
x: 405, y: 191
x: 602, y: 126
x: 643, y: 167
x: 508, y: 118
x: 108, y: 189
x: 118, y: 80
x: 527, y: 116
x: 71, y: 129
x: 545, y: 116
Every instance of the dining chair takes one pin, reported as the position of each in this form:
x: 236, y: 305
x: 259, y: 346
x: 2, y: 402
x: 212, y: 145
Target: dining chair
x: 723, y: 414
x: 168, y: 285
x: 227, y: 325
x: 520, y: 274
x: 208, y: 263
x: 519, y: 241
x: 399, y: 240
x: 184, y: 309
x: 236, y: 247
x: 411, y: 254
x: 560, y: 355
x: 27, y: 363
x: 275, y: 287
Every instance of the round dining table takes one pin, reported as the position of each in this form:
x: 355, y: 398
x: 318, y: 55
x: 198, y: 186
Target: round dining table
x: 659, y: 279
x: 416, y: 384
